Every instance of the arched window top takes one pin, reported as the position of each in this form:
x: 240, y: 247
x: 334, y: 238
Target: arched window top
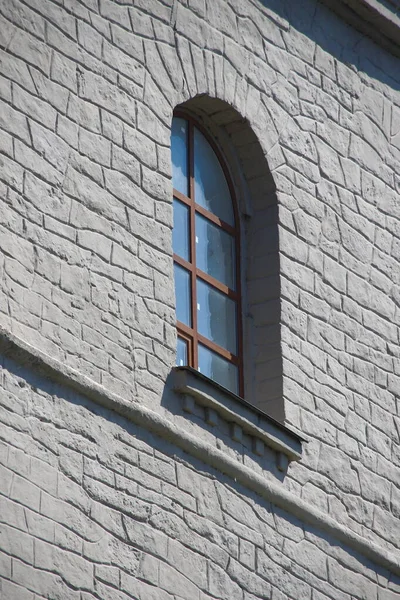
x: 206, y: 256
x: 211, y: 190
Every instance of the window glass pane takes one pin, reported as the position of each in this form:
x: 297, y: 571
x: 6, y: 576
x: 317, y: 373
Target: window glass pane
x: 211, y: 188
x: 179, y: 152
x: 215, y: 251
x: 180, y: 233
x: 217, y: 368
x: 181, y: 353
x: 216, y: 316
x: 182, y: 294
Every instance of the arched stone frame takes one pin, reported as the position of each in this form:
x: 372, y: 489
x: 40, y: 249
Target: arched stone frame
x: 258, y: 211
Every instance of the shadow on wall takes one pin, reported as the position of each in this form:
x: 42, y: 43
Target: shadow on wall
x: 258, y: 213
x: 340, y: 40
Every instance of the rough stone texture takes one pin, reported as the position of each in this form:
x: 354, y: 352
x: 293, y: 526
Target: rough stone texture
x: 92, y: 506
x: 308, y: 115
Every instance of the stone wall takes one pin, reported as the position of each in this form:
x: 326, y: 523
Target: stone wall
x: 87, y: 92
x: 93, y: 506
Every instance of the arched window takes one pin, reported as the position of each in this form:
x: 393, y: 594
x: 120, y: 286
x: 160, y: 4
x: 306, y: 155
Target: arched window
x: 206, y: 256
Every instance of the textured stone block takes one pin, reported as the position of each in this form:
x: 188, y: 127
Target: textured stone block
x: 87, y: 96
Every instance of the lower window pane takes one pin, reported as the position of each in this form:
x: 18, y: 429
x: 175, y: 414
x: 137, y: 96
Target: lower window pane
x: 180, y: 232
x: 181, y: 353
x: 216, y: 316
x: 217, y: 368
x: 182, y: 295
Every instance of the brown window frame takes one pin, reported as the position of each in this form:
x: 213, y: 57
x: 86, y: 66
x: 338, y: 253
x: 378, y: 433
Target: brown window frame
x: 190, y: 334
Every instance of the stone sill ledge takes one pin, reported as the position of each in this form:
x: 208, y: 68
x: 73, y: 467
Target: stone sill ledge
x: 18, y: 350
x: 374, y: 18
x: 243, y: 416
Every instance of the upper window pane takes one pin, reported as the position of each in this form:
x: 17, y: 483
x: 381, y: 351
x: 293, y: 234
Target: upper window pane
x: 179, y: 151
x: 210, y: 186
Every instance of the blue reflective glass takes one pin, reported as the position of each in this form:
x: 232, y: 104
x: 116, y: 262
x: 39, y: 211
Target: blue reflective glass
x: 216, y: 316
x: 215, y: 251
x: 182, y: 295
x: 181, y: 353
x: 179, y: 153
x: 180, y: 233
x: 217, y: 368
x: 210, y: 185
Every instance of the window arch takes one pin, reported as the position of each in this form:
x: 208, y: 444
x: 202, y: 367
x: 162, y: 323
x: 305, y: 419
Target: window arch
x: 206, y: 245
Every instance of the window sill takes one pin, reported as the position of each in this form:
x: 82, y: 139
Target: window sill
x: 243, y: 417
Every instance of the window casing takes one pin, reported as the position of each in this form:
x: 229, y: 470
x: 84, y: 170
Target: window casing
x: 206, y: 244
